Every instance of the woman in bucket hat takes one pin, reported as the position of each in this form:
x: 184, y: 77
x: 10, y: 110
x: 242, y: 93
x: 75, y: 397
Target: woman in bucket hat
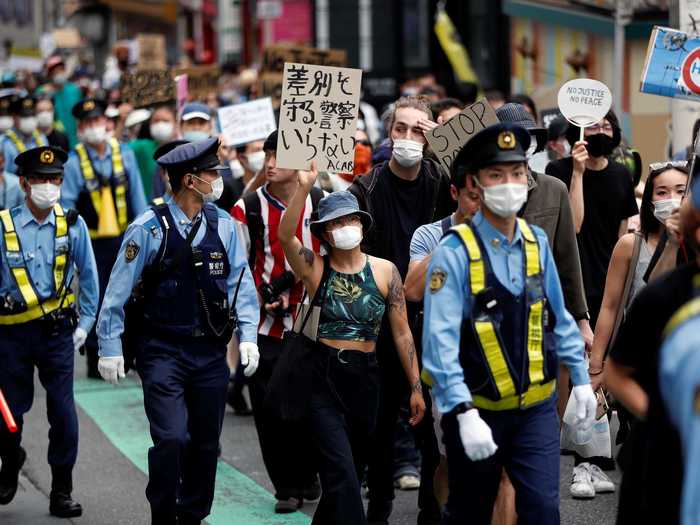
x: 357, y: 291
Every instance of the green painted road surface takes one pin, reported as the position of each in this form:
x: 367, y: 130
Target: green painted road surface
x: 118, y: 412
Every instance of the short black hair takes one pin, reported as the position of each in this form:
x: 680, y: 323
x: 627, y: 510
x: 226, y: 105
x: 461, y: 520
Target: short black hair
x: 446, y: 103
x: 175, y: 178
x: 271, y: 142
x: 458, y: 176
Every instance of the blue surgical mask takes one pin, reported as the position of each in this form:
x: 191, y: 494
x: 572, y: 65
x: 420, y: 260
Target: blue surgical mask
x: 195, y: 136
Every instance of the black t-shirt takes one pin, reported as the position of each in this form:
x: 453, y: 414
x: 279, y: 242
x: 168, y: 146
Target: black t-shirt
x: 656, y: 457
x: 608, y: 199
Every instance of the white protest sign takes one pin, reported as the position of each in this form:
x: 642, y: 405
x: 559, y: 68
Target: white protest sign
x: 449, y: 138
x: 318, y: 117
x: 246, y: 122
x: 584, y: 101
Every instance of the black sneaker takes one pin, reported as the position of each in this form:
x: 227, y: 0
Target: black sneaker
x: 62, y: 505
x: 285, y: 506
x: 237, y: 402
x: 9, y: 477
x: 312, y: 492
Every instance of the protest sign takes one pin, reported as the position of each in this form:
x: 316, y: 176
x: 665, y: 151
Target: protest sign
x: 144, y: 88
x: 318, y: 117
x: 446, y: 140
x: 584, y: 101
x: 243, y: 123
x: 151, y: 51
x: 201, y: 80
x: 672, y: 65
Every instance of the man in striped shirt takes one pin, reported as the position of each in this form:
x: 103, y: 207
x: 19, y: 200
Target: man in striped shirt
x: 286, y: 451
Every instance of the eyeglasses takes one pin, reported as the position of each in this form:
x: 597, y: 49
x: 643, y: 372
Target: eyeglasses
x: 660, y: 166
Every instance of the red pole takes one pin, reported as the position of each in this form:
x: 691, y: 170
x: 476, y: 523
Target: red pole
x: 6, y: 414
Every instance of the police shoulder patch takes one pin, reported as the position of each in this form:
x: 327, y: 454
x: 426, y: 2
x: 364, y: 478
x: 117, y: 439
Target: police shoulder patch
x: 131, y: 251
x: 437, y: 279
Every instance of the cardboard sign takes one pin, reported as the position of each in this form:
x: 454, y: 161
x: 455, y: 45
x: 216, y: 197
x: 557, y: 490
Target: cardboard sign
x: 446, y: 140
x: 274, y: 58
x: 243, y: 123
x: 201, y: 80
x: 318, y: 117
x: 66, y: 37
x: 584, y: 101
x: 672, y: 65
x: 151, y: 51
x: 144, y: 88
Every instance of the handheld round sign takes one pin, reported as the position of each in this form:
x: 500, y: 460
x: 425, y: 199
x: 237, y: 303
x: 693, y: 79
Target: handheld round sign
x: 584, y: 101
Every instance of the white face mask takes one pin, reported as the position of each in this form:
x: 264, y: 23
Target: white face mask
x: 407, y: 152
x: 27, y: 125
x: 505, y: 200
x: 663, y: 209
x: 45, y: 195
x: 60, y: 78
x: 217, y: 188
x: 236, y: 168
x: 195, y: 136
x: 162, y: 131
x: 256, y: 160
x: 45, y: 119
x: 347, y: 237
x: 6, y: 123
x: 95, y: 134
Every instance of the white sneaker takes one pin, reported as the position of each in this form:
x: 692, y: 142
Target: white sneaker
x: 582, y: 482
x: 601, y: 482
x: 408, y: 482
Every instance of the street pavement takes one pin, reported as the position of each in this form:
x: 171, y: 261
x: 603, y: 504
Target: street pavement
x: 110, y: 476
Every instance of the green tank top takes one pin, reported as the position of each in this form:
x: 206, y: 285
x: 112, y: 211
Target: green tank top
x: 353, y: 307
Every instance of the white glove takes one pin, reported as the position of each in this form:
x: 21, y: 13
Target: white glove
x: 586, y: 406
x: 476, y: 435
x: 111, y: 369
x: 79, y: 337
x: 249, y: 357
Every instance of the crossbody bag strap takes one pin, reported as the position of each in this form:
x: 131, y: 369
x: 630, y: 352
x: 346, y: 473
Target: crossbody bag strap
x: 629, y: 278
x: 319, y: 296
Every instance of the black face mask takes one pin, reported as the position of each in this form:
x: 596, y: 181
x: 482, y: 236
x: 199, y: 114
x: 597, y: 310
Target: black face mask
x: 599, y: 145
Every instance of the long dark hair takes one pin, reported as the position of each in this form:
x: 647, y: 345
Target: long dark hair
x: 647, y: 222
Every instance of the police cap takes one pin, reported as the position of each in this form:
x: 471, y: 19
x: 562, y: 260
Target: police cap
x: 23, y: 106
x: 168, y: 147
x: 192, y: 157
x: 497, y: 144
x: 89, y: 108
x: 44, y: 160
x: 6, y: 104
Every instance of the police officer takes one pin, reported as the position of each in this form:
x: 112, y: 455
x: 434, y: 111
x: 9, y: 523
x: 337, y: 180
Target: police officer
x: 494, y: 372
x: 103, y: 183
x: 196, y: 280
x: 43, y: 244
x: 24, y: 133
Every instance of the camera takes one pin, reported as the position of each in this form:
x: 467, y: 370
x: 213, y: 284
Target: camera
x: 270, y: 292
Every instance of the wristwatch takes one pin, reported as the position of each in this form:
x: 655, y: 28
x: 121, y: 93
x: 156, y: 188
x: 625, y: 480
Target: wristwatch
x: 460, y: 408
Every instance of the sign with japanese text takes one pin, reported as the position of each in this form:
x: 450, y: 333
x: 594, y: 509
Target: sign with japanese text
x: 446, y: 140
x: 143, y: 88
x: 318, y: 117
x: 246, y: 122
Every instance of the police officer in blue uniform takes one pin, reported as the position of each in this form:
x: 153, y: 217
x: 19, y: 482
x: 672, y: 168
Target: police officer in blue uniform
x: 24, y: 134
x: 197, y: 288
x: 494, y: 371
x: 103, y: 183
x: 43, y: 245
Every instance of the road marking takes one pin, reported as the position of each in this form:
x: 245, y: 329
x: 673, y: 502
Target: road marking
x: 119, y: 413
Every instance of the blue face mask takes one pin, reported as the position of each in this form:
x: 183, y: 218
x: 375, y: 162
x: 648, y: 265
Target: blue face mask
x: 195, y: 136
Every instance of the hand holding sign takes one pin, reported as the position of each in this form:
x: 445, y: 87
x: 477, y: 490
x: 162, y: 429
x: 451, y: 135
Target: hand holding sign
x: 584, y: 102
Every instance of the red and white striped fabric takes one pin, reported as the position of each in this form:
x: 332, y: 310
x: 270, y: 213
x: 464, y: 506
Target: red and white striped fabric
x: 269, y: 256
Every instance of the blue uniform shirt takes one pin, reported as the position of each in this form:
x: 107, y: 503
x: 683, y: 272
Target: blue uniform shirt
x: 10, y: 150
x: 146, y: 232
x: 679, y: 382
x: 37, y: 242
x: 445, y: 308
x: 11, y: 193
x: 74, y: 182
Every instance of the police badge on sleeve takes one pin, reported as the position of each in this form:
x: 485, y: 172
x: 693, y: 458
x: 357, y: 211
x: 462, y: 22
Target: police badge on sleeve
x: 131, y: 251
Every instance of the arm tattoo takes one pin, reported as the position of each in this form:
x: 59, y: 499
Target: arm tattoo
x: 395, y: 297
x: 308, y: 255
x: 417, y: 387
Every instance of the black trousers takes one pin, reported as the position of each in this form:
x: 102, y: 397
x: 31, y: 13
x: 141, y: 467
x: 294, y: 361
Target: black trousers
x: 343, y: 416
x: 184, y: 394
x: 286, y: 448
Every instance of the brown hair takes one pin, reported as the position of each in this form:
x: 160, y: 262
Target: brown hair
x: 418, y: 102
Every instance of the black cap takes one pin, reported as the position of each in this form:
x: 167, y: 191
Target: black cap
x: 497, y: 144
x: 6, y: 104
x: 271, y: 142
x: 192, y: 157
x: 89, y: 108
x: 23, y: 106
x: 44, y: 160
x: 168, y: 147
